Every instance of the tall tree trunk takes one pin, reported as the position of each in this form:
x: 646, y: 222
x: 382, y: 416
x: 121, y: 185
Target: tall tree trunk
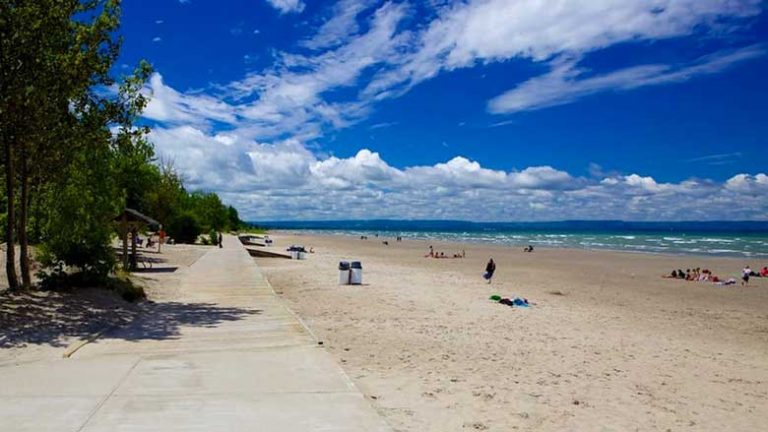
x: 10, y: 263
x: 26, y: 280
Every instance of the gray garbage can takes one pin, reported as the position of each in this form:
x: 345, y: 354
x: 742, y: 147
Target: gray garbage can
x: 356, y: 273
x: 344, y: 273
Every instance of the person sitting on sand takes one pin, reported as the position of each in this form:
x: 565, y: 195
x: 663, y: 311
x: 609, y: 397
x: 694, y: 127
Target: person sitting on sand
x: 703, y: 276
x: 672, y: 275
x: 764, y: 272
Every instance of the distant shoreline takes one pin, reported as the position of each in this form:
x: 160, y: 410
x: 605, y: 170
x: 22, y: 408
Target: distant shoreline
x: 520, y: 242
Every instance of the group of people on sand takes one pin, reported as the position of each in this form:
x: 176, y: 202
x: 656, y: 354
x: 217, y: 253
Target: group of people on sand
x: 706, y: 275
x: 695, y: 274
x: 433, y: 254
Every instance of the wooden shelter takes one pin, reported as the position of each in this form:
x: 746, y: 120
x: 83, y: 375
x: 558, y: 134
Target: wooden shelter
x: 130, y: 221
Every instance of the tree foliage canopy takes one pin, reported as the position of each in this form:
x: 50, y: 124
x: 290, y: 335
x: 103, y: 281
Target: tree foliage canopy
x: 75, y: 150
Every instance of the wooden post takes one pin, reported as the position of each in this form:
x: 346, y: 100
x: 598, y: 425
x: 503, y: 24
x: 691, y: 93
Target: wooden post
x: 134, y: 233
x: 124, y: 229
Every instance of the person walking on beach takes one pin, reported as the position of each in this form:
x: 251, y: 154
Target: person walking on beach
x: 490, y: 268
x: 221, y: 238
x: 746, y: 272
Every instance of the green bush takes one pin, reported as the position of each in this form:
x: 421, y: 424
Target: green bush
x: 214, y: 237
x: 185, y: 228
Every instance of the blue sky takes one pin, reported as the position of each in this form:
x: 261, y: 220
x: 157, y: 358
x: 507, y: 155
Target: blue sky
x: 480, y: 110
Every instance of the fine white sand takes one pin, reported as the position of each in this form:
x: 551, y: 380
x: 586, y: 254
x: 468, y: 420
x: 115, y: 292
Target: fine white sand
x: 608, y: 344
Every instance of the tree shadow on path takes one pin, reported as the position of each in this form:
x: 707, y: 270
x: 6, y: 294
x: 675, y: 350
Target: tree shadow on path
x: 55, y: 318
x: 164, y: 320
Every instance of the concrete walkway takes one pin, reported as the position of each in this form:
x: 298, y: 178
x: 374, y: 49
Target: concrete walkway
x: 227, y: 355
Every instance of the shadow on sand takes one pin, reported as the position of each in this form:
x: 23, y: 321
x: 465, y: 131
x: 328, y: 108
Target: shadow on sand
x: 51, y: 318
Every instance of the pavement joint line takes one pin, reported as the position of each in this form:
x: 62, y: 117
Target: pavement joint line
x: 106, y: 398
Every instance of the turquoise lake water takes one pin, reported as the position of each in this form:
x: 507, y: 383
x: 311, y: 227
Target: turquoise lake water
x: 734, y: 239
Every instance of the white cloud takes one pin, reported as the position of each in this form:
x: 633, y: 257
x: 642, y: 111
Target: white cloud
x: 567, y: 83
x: 169, y: 105
x: 340, y: 26
x: 287, y: 6
x: 246, y: 139
x: 284, y: 180
x: 748, y: 184
x: 485, y: 31
x: 289, y: 96
x: 157, y: 39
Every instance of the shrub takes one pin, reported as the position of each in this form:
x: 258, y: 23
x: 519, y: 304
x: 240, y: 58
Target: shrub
x: 185, y: 228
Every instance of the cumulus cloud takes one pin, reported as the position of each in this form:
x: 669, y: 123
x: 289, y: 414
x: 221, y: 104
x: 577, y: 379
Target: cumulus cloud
x: 748, y: 184
x: 246, y: 139
x: 287, y: 6
x: 284, y: 180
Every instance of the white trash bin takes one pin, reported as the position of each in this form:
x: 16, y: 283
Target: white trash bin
x: 344, y: 273
x: 294, y: 254
x: 356, y: 273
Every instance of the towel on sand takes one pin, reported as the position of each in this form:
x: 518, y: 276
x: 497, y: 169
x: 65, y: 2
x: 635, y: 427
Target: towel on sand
x: 517, y: 301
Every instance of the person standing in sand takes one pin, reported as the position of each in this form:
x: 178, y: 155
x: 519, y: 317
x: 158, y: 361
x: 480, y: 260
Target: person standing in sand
x: 490, y: 268
x: 746, y: 272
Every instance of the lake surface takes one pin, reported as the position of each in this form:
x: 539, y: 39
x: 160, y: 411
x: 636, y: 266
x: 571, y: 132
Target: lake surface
x: 735, y: 239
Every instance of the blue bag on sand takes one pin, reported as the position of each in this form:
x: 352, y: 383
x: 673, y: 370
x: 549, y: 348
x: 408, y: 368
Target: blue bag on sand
x: 486, y: 275
x: 520, y: 302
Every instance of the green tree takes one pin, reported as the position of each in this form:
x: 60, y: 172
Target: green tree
x: 233, y: 217
x: 54, y: 52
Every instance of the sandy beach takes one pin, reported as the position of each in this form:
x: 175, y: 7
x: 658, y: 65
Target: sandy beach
x: 607, y: 345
